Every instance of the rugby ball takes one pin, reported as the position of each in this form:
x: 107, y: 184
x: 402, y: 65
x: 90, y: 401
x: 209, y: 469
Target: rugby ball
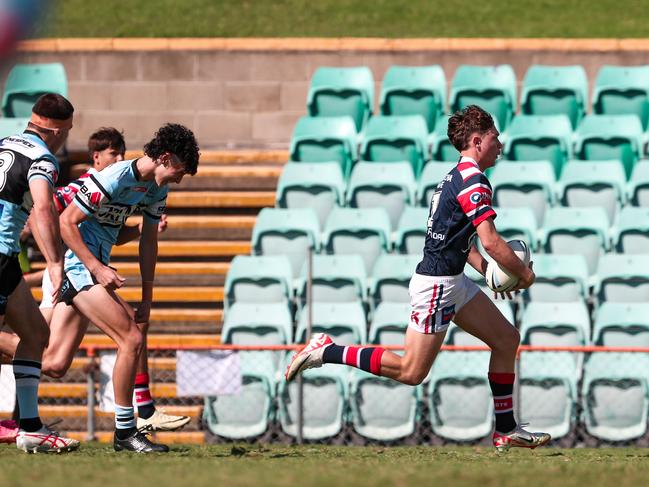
x: 498, y: 278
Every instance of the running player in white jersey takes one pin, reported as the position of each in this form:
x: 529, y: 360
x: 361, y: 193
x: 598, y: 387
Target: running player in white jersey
x: 28, y: 173
x: 440, y: 292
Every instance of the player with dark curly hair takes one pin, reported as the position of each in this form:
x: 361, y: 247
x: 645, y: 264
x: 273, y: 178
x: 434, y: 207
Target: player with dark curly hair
x: 90, y: 226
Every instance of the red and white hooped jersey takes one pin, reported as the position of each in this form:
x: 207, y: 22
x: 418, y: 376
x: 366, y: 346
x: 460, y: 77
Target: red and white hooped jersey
x: 63, y: 195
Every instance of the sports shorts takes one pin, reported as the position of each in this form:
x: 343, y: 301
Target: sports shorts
x: 10, y: 276
x: 77, y: 278
x: 435, y: 300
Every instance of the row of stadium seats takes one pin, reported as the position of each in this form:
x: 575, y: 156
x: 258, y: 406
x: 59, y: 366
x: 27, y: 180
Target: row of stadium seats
x: 25, y: 83
x: 546, y: 90
x: 612, y: 397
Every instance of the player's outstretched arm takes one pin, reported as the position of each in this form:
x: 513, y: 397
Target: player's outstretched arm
x: 148, y: 253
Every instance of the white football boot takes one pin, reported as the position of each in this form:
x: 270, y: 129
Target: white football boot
x: 309, y: 357
x: 520, y: 438
x: 161, y: 421
x: 44, y: 441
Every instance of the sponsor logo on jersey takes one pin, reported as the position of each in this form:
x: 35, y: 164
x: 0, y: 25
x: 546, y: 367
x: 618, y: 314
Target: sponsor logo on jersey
x: 478, y: 196
x: 139, y: 189
x: 113, y: 214
x: 437, y: 236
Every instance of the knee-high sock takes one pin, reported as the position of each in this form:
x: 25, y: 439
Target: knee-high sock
x: 365, y: 358
x: 28, y: 375
x: 502, y: 388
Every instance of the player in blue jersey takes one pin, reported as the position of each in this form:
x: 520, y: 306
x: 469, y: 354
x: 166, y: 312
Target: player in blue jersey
x: 460, y: 210
x: 28, y: 173
x: 90, y: 226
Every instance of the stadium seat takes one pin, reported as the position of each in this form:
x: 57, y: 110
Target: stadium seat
x: 559, y: 278
x: 519, y: 224
x: 12, y: 126
x: 325, y: 139
x: 286, y: 232
x: 26, y: 82
x: 396, y: 139
x: 258, y: 279
x: 491, y: 87
x: 548, y: 392
x: 326, y: 394
x: 524, y: 184
x: 615, y: 398
x: 461, y: 405
x: 382, y: 185
x: 458, y: 337
x: 320, y: 186
x: 389, y: 323
x: 631, y: 231
x: 391, y: 277
x: 540, y: 138
x: 336, y: 279
x: 577, y: 231
x: 610, y: 137
x: 354, y: 231
x: 555, y: 90
x: 638, y: 190
x: 555, y: 324
x: 383, y: 409
x: 621, y: 90
x: 431, y: 175
x: 344, y: 322
x: 600, y: 183
x: 338, y: 92
x: 623, y: 278
x: 411, y: 231
x: 441, y: 148
x: 414, y: 90
x: 622, y: 325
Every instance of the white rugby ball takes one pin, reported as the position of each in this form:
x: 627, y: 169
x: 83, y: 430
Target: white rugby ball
x: 498, y: 278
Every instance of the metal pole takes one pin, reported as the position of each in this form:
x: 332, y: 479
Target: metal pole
x: 517, y: 388
x: 309, y: 331
x: 91, y: 397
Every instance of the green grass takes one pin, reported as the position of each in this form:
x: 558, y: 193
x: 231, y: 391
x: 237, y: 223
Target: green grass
x: 323, y: 465
x: 360, y: 18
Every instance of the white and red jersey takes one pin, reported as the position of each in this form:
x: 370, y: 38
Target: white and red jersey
x: 461, y: 202
x: 63, y: 195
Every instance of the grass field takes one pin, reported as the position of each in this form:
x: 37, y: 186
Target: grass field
x: 360, y: 18
x: 323, y: 465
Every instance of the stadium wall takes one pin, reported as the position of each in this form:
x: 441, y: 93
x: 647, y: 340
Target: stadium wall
x: 250, y: 92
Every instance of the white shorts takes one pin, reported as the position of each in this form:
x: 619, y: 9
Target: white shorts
x: 46, y: 287
x: 436, y: 299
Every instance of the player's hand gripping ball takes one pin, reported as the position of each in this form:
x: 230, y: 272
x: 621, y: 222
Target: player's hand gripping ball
x: 498, y: 278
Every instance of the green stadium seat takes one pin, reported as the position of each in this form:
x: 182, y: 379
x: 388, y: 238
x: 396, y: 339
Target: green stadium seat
x: 610, y: 137
x: 517, y: 224
x: 383, y: 409
x: 336, y: 279
x: 12, y: 126
x: 26, y: 82
x: 257, y: 324
x: 638, y: 189
x: 336, y: 92
x: 396, y: 139
x: 286, y: 232
x: 623, y: 278
x: 325, y: 139
x: 555, y: 324
x: 577, y: 231
x: 382, y: 185
x: 320, y: 186
x: 490, y: 87
x: 358, y: 231
x: 414, y: 90
x: 441, y: 148
x: 548, y: 392
x: 258, y: 279
x: 593, y: 183
x: 389, y: 323
x: 431, y: 175
x: 559, y: 278
x: 524, y: 184
x: 391, y: 277
x: 555, y: 90
x: 631, y: 231
x: 411, y: 231
x: 621, y: 90
x: 460, y: 400
x: 615, y: 396
x: 326, y: 395
x: 540, y: 138
x: 622, y: 325
x: 344, y: 322
x: 457, y: 336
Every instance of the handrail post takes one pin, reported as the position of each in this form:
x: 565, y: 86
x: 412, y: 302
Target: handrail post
x: 309, y: 331
x: 90, y: 380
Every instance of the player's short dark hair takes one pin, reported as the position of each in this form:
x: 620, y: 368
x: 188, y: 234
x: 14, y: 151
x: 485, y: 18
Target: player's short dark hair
x: 54, y: 106
x: 106, y: 138
x: 465, y: 122
x: 178, y: 140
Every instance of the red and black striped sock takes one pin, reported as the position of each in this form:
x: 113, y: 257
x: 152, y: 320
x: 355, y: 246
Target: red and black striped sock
x: 365, y: 358
x: 143, y: 399
x: 502, y: 388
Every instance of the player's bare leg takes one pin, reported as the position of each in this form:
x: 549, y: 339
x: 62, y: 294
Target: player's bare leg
x: 67, y: 329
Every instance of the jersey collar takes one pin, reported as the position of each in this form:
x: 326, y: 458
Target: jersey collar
x: 136, y: 173
x: 469, y: 159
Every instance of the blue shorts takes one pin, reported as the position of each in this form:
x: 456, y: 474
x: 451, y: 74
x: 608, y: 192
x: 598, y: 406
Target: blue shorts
x: 77, y: 278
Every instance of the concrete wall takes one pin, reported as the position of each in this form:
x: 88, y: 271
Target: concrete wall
x: 247, y: 98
